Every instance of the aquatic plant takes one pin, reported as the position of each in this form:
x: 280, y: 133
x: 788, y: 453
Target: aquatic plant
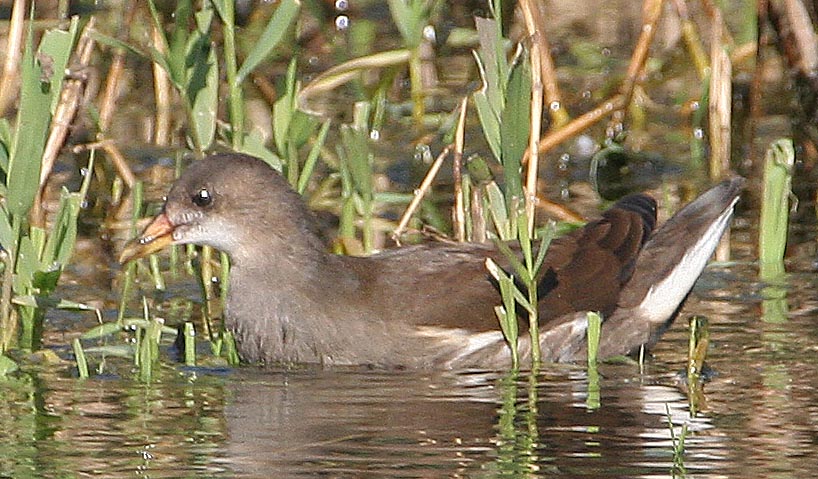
x: 34, y: 254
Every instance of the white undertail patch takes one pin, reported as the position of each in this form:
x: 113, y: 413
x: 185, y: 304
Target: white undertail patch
x: 664, y: 297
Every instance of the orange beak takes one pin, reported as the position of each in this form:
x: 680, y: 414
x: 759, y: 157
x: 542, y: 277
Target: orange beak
x: 156, y: 237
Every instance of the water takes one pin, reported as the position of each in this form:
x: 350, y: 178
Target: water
x: 758, y: 415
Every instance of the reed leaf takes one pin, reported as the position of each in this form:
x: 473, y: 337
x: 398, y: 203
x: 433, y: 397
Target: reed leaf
x: 31, y: 131
x: 772, y: 237
x: 279, y: 24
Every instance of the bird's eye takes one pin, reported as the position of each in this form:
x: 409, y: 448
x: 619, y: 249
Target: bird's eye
x: 202, y: 198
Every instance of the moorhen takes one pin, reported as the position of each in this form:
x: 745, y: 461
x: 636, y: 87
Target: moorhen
x: 430, y: 305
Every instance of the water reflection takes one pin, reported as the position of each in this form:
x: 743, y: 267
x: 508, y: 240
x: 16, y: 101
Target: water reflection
x: 758, y: 418
x: 364, y: 424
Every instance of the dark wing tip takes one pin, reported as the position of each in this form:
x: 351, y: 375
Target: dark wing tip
x: 644, y: 206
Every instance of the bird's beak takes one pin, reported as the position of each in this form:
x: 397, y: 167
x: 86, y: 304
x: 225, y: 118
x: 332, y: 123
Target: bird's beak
x: 156, y: 237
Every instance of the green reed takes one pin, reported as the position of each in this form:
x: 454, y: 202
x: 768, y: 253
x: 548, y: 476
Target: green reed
x: 79, y: 355
x: 678, y: 442
x: 357, y: 186
x: 593, y: 401
x: 698, y: 343
x: 772, y: 231
x: 517, y: 425
x: 190, y: 344
x: 35, y: 255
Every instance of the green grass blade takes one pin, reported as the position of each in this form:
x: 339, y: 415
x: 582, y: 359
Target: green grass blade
x: 488, y: 116
x: 57, y: 46
x: 283, y: 111
x: 312, y: 158
x: 203, y: 95
x: 31, y: 131
x: 410, y: 17
x: 279, y: 24
x: 340, y: 74
x: 492, y: 56
x: 177, y: 46
x: 254, y: 144
x: 594, y: 333
x: 7, y: 366
x: 7, y: 237
x: 519, y: 268
x: 116, y: 43
x: 103, y: 330
x: 548, y: 234
x: 778, y: 167
x: 190, y: 345
x: 40, y: 301
x: 79, y: 354
x: 506, y: 313
x: 514, y: 130
x: 496, y: 205
x: 593, y: 401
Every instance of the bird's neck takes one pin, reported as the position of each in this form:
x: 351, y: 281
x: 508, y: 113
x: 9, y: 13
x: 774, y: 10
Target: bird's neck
x: 284, y: 305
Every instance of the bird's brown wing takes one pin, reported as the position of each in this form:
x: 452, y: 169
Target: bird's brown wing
x: 587, y: 269
x: 448, y: 285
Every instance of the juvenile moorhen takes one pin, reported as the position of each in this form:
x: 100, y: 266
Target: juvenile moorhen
x: 431, y: 305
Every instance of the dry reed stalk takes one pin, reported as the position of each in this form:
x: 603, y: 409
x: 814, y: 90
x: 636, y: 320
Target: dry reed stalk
x: 535, y: 129
x: 71, y: 97
x: 582, y: 123
x: 720, y: 115
x: 459, y: 211
x: 162, y: 92
x: 108, y: 100
x: 559, y: 211
x: 692, y: 39
x: 651, y: 12
x: 14, y: 51
x: 534, y: 21
x: 757, y: 84
x: 714, y: 13
x: 265, y: 87
x: 120, y: 164
x: 720, y: 104
x: 420, y: 192
x: 804, y: 36
x: 110, y: 94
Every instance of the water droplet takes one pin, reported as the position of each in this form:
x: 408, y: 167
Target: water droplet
x: 554, y: 106
x: 374, y: 135
x: 586, y: 95
x: 606, y: 52
x: 563, y: 162
x: 694, y: 106
x: 341, y: 5
x: 341, y: 22
x: 698, y: 133
x: 429, y: 33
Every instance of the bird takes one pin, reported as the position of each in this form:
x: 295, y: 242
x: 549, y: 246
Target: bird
x: 432, y: 305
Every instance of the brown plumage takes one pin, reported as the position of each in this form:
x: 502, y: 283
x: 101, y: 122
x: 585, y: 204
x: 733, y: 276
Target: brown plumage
x: 430, y: 305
